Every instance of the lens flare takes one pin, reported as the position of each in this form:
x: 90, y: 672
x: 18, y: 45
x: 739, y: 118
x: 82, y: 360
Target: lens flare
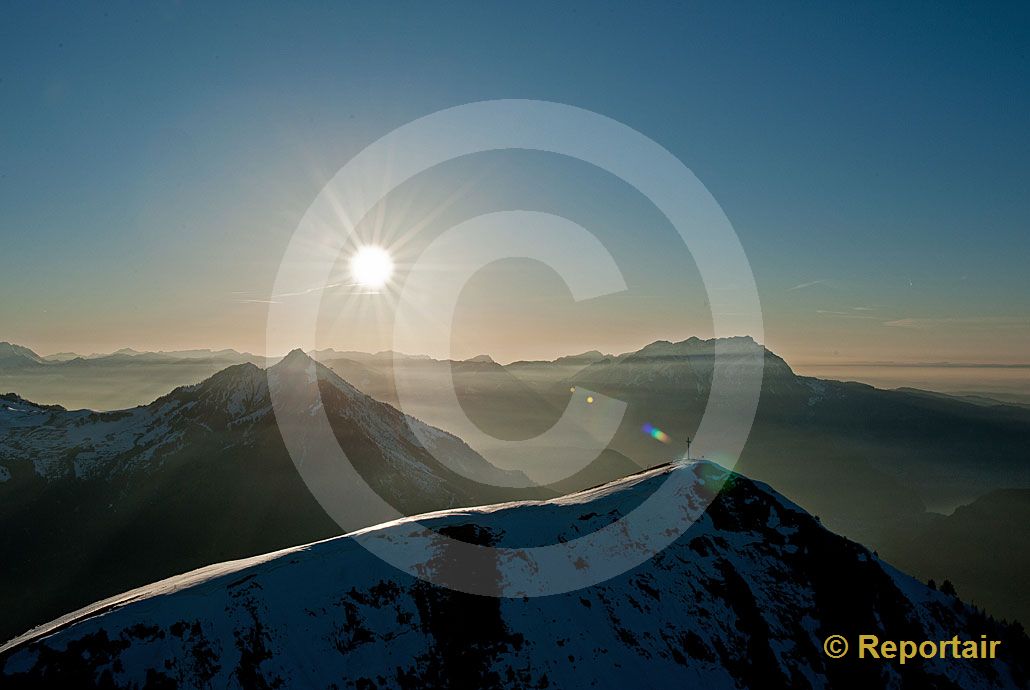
x: 655, y: 433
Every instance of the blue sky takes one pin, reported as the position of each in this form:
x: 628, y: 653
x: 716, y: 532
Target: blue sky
x: 154, y: 160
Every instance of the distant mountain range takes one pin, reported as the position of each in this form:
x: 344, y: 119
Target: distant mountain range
x: 878, y: 466
x: 114, y: 381
x: 93, y: 503
x: 744, y: 598
x: 898, y: 451
x: 15, y: 356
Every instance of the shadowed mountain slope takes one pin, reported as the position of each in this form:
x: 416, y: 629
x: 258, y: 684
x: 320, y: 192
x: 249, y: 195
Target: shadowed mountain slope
x: 94, y: 503
x: 744, y: 598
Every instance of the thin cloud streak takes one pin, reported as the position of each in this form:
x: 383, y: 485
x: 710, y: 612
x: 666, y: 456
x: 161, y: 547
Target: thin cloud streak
x: 809, y: 284
x: 988, y: 321
x: 844, y: 314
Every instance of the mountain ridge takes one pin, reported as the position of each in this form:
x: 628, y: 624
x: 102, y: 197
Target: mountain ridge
x: 199, y: 475
x: 719, y: 607
x: 875, y: 464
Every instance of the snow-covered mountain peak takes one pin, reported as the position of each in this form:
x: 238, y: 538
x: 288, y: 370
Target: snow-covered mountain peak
x: 743, y: 599
x: 233, y: 410
x: 240, y: 390
x: 12, y: 355
x: 298, y: 368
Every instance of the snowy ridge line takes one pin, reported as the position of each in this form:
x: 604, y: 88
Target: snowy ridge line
x: 213, y: 572
x: 744, y: 599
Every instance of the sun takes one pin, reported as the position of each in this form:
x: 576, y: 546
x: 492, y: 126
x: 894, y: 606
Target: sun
x: 371, y: 267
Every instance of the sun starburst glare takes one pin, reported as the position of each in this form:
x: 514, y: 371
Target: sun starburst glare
x: 371, y: 267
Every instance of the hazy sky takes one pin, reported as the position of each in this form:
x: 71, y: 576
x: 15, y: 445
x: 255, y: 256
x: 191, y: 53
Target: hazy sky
x: 875, y: 162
